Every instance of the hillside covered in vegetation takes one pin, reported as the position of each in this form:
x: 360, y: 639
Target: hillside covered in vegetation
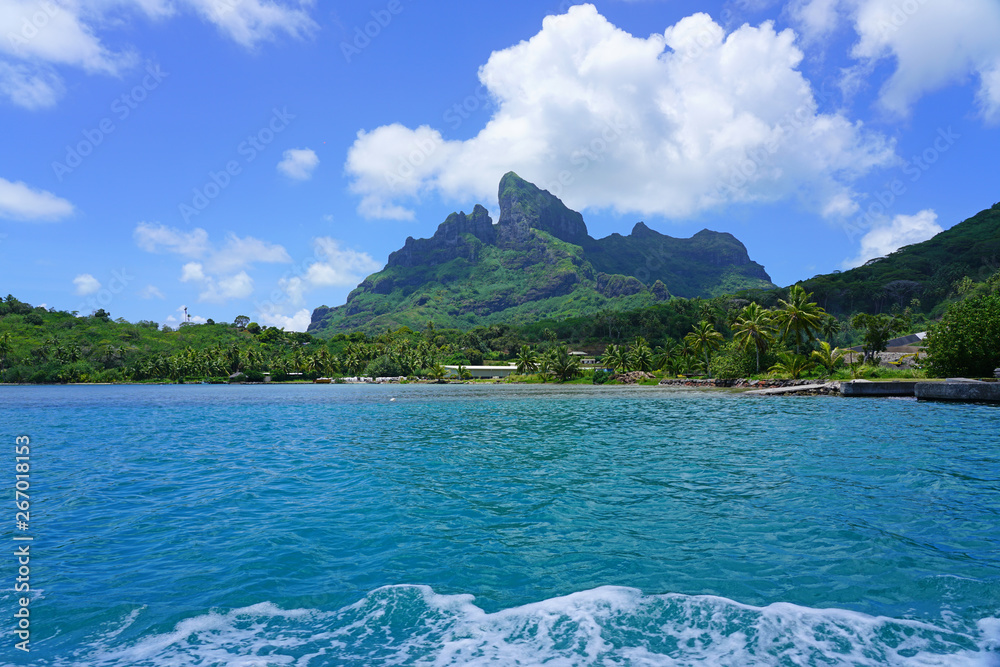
x: 537, y: 262
x: 921, y: 276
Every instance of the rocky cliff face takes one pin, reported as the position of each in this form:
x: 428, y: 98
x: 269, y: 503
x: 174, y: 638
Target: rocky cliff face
x: 523, y: 207
x: 449, y: 241
x: 537, y: 261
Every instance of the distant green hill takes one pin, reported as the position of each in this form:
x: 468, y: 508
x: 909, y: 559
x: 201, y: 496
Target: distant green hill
x: 924, y: 271
x: 538, y: 262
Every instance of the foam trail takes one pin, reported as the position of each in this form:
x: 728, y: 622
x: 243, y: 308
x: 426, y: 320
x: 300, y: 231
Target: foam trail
x: 413, y: 625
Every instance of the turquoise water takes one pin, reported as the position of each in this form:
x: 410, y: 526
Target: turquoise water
x: 339, y: 525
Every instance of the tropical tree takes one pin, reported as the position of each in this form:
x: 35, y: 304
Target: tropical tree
x: 640, y: 357
x: 704, y: 340
x: 437, y: 372
x: 527, y: 360
x: 754, y: 326
x: 879, y: 330
x: 563, y: 365
x: 792, y: 365
x: 617, y: 357
x: 5, y: 348
x: 661, y: 358
x: 966, y: 342
x: 798, y: 317
x: 827, y: 358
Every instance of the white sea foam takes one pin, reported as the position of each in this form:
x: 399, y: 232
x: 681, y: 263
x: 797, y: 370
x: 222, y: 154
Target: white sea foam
x: 413, y: 625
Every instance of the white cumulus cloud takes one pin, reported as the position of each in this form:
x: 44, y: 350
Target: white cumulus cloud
x: 153, y: 237
x: 298, y: 163
x: 86, y: 284
x: 249, y: 22
x: 892, y: 235
x: 335, y: 266
x: 220, y: 271
x: 928, y: 44
x: 934, y: 43
x: 19, y: 201
x: 673, y: 124
x: 239, y: 286
x: 151, y: 292
x: 297, y: 322
x: 192, y: 272
x: 40, y: 35
x: 29, y: 87
x: 815, y: 18
x: 235, y: 253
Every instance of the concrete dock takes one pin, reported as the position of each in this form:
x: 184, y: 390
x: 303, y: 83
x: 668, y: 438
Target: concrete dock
x: 959, y: 390
x: 868, y: 388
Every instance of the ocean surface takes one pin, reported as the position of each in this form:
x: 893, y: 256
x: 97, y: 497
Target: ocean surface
x: 501, y: 525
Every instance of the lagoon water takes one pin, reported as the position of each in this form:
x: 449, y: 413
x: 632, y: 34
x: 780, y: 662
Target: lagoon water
x: 502, y: 525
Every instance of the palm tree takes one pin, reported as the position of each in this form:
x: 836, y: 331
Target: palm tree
x: 616, y: 356
x: 661, y: 358
x: 437, y: 372
x: 704, y: 340
x: 754, y: 326
x: 799, y: 317
x: 792, y: 365
x: 545, y: 366
x: 563, y: 365
x: 828, y: 359
x: 830, y: 327
x: 641, y: 358
x: 527, y: 361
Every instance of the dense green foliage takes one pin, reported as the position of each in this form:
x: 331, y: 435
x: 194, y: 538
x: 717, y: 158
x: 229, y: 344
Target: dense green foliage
x: 966, y: 342
x: 921, y: 275
x: 878, y: 331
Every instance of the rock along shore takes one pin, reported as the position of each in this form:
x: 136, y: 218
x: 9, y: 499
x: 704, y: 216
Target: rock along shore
x: 761, y: 387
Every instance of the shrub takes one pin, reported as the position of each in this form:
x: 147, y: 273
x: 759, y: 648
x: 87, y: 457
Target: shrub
x: 253, y: 376
x: 602, y: 376
x: 967, y: 340
x: 730, y: 363
x: 383, y: 367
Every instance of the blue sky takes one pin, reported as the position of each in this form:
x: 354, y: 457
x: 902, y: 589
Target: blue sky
x: 260, y: 158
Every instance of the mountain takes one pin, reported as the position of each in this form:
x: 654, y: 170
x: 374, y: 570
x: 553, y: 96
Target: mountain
x: 924, y: 271
x: 536, y: 262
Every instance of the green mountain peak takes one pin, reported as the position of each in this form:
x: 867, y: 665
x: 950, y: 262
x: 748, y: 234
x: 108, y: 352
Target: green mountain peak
x: 536, y: 262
